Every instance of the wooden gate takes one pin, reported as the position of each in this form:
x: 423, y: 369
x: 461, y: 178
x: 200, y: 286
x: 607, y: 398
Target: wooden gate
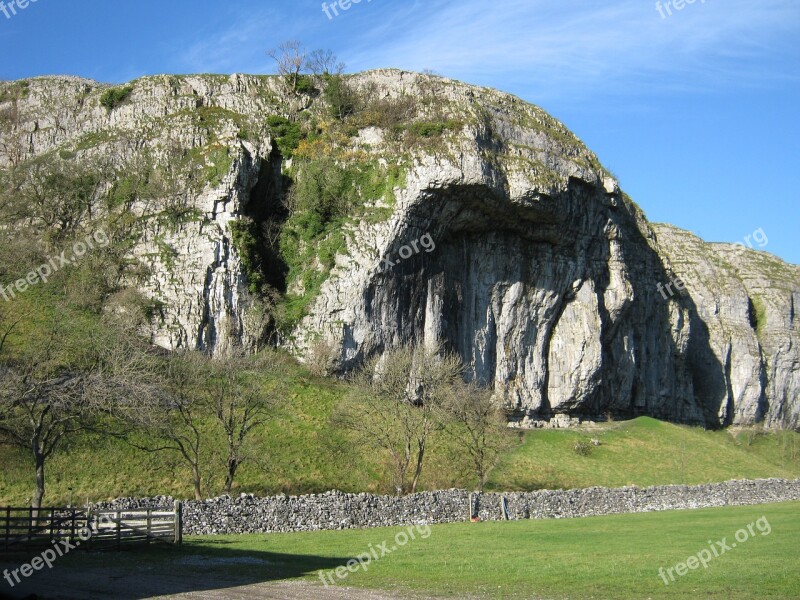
x: 25, y: 528
x: 118, y: 527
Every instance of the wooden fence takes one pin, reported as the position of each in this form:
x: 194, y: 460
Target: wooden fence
x: 25, y: 528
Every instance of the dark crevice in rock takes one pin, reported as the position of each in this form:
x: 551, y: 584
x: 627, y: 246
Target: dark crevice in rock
x: 752, y: 314
x: 266, y: 208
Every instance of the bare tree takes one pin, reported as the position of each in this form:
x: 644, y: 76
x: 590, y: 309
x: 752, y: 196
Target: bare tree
x: 171, y: 422
x: 396, y: 405
x: 242, y: 400
x: 40, y: 405
x: 324, y: 62
x: 58, y: 197
x: 478, y: 427
x: 52, y: 389
x: 37, y: 413
x: 290, y: 59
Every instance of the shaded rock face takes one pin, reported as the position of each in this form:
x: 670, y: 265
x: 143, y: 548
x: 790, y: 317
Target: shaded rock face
x: 553, y: 302
x: 540, y: 273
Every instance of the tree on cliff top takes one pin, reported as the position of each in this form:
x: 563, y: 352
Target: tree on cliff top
x: 290, y: 60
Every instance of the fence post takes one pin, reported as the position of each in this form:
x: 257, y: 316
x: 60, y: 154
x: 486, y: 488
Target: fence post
x: 89, y: 524
x: 30, y: 524
x: 119, y: 529
x: 149, y: 523
x: 8, y: 527
x: 178, y: 522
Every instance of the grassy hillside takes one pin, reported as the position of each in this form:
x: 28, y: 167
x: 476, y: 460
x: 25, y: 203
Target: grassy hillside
x: 646, y: 452
x: 302, y: 452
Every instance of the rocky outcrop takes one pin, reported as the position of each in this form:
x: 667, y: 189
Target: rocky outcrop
x: 545, y: 277
x: 746, y: 301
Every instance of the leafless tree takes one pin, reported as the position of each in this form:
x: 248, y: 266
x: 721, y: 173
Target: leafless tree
x: 60, y: 198
x: 171, y: 422
x: 290, y: 59
x: 478, y: 427
x: 40, y: 404
x: 324, y: 62
x: 396, y: 404
x: 242, y: 400
x: 38, y: 412
x: 55, y: 387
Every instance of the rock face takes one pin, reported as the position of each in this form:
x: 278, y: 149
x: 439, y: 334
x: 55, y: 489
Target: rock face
x: 535, y: 268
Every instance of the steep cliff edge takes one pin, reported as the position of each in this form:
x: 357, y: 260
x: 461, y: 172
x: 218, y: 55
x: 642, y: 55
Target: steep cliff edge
x: 474, y: 220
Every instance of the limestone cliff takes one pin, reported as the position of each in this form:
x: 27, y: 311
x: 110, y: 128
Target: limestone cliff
x: 484, y: 225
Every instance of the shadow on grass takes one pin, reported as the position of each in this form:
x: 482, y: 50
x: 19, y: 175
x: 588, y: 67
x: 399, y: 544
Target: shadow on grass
x: 144, y: 572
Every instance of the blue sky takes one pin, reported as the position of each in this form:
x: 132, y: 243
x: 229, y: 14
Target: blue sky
x: 696, y: 113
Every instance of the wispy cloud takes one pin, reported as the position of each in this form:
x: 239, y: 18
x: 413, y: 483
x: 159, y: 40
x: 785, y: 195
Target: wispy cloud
x: 550, y: 49
x: 583, y: 45
x: 241, y: 46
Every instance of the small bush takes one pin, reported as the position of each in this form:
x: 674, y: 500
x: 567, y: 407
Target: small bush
x: 323, y: 192
x: 322, y: 358
x: 582, y: 448
x: 341, y: 98
x: 428, y: 129
x: 288, y: 134
x: 245, y: 241
x: 221, y: 163
x: 305, y: 85
x: 387, y: 113
x: 115, y: 97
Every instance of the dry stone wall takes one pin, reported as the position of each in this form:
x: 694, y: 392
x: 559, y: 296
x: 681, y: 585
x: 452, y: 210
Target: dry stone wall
x: 338, y: 510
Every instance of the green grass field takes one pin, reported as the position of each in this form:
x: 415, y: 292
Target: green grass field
x: 615, y: 557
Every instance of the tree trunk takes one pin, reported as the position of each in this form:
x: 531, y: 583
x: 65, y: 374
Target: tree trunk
x: 198, y: 493
x: 233, y: 465
x: 38, y: 491
x: 418, y: 469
